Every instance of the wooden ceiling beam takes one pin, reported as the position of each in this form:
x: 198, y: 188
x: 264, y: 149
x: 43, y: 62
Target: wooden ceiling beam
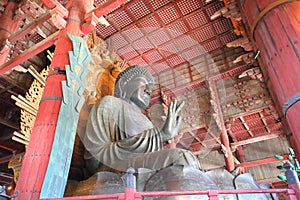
x: 9, y: 124
x: 255, y: 163
x: 29, y: 27
x: 10, y: 147
x: 273, y: 135
x: 197, y: 83
x: 256, y: 128
x: 254, y: 111
x: 261, y: 117
x: 13, y: 82
x: 32, y: 51
x: 264, y: 161
x: 6, y: 89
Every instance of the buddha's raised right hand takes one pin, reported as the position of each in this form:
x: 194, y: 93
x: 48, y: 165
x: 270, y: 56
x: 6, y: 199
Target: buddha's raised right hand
x: 172, y: 122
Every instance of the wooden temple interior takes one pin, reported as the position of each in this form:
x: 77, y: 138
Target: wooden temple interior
x: 235, y: 63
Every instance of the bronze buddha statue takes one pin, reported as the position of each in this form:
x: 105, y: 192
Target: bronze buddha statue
x: 118, y: 135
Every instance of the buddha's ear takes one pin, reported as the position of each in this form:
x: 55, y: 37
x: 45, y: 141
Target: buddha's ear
x: 119, y: 88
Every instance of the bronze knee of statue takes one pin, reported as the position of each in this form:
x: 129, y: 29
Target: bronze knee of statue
x: 118, y: 135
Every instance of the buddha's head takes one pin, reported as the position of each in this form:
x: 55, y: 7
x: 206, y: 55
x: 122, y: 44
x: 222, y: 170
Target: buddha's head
x: 135, y: 85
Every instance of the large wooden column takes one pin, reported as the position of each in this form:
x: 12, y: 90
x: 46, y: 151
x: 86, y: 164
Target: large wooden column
x: 275, y: 27
x: 37, y: 155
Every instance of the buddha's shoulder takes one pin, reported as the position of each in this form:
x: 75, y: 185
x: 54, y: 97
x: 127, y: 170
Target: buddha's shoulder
x: 110, y: 100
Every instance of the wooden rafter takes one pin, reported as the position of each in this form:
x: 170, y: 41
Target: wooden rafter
x: 263, y: 119
x: 246, y: 126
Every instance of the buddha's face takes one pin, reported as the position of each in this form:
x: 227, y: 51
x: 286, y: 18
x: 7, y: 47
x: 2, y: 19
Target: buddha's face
x: 139, y: 90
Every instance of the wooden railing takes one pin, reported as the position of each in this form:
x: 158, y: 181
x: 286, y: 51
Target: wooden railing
x: 130, y: 193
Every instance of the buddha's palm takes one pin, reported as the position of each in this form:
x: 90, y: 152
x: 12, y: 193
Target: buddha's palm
x: 172, y: 122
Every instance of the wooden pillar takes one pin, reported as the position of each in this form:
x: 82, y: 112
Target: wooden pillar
x: 275, y: 27
x: 38, y: 152
x: 8, y: 26
x: 229, y: 160
x: 228, y: 156
x: 242, y: 158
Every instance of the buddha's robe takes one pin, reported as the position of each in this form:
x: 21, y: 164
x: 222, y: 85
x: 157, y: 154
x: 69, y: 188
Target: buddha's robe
x: 118, y: 135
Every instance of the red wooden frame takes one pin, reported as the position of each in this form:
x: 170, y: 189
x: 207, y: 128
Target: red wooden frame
x: 131, y: 194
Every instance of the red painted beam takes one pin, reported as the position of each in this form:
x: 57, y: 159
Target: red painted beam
x: 53, y: 3
x: 254, y: 163
x: 29, y: 27
x: 273, y: 135
x: 264, y: 161
x: 32, y: 51
x: 211, y: 194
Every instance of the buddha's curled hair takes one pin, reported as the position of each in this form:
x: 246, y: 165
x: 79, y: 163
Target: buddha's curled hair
x: 130, y: 73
